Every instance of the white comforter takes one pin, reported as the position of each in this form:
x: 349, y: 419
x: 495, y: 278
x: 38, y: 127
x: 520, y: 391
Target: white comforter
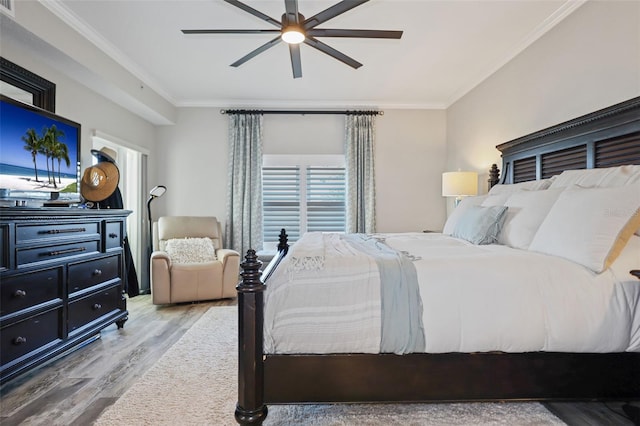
x: 495, y: 298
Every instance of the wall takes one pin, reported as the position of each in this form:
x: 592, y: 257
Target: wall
x: 310, y: 134
x: 192, y: 164
x: 410, y: 159
x: 590, y: 61
x: 410, y: 154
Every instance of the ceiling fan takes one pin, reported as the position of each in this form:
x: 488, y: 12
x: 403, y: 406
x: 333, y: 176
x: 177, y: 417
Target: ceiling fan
x: 295, y: 29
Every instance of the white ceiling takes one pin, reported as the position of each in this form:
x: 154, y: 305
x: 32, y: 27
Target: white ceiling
x: 448, y: 47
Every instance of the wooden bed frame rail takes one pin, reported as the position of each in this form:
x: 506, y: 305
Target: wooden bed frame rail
x: 604, y: 138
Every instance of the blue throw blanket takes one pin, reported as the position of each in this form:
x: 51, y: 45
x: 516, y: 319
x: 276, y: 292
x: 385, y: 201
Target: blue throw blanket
x: 402, y: 329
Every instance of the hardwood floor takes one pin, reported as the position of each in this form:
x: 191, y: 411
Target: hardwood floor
x: 76, y: 388
x: 596, y: 413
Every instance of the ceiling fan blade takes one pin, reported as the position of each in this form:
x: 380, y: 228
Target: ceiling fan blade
x: 332, y: 52
x: 317, y: 32
x: 254, y: 12
x: 291, y: 8
x: 230, y: 31
x: 296, y: 62
x: 331, y: 12
x: 259, y: 50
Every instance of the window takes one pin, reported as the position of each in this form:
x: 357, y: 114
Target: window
x: 302, y: 194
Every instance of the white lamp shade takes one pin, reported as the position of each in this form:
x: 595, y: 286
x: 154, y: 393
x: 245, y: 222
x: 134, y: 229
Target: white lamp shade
x: 458, y: 184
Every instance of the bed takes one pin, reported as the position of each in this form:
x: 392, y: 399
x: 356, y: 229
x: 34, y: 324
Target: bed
x: 468, y: 370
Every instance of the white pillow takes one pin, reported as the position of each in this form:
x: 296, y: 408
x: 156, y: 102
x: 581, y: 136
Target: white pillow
x: 466, y: 202
x: 480, y: 225
x: 532, y: 185
x: 497, y: 199
x: 600, y: 178
x: 590, y: 226
x: 526, y: 211
x: 190, y: 250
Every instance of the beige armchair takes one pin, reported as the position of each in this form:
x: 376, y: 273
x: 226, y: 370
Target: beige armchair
x: 178, y: 278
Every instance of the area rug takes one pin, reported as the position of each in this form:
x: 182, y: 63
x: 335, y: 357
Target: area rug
x: 195, y: 383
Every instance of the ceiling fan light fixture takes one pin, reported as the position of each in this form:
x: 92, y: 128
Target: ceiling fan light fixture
x: 293, y: 35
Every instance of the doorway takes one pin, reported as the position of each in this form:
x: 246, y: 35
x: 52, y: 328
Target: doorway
x: 132, y: 163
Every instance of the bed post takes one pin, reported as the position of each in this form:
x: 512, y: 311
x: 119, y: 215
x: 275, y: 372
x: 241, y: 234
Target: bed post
x: 250, y: 409
x: 494, y: 175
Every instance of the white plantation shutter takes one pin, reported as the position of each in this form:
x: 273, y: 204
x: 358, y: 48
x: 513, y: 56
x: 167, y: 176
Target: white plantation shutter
x: 281, y: 202
x: 325, y: 199
x: 302, y: 198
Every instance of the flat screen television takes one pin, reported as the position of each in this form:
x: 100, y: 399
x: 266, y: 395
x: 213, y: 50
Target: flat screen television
x: 39, y: 154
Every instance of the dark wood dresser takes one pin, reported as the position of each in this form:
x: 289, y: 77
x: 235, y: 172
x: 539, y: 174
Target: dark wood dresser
x: 61, y: 282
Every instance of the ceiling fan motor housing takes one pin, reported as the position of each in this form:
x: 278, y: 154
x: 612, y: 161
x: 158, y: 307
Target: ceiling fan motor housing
x: 292, y: 30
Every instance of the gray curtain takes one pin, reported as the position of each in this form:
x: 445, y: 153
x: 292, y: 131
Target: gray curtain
x: 243, y: 225
x: 359, y: 145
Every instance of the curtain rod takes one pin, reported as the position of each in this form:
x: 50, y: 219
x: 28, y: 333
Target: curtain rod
x: 301, y: 112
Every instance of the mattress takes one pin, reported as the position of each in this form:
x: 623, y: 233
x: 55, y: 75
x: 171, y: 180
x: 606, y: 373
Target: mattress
x: 479, y: 298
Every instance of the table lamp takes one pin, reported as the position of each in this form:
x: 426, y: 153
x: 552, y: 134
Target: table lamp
x: 459, y: 184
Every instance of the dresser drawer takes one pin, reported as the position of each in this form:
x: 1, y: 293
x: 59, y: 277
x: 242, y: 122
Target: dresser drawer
x: 43, y: 232
x: 87, y: 309
x: 113, y: 234
x: 22, y: 291
x: 4, y: 247
x: 26, y: 256
x: 86, y: 274
x: 30, y: 334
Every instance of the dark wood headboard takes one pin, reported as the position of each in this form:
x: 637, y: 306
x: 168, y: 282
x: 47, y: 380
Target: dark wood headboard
x: 605, y: 138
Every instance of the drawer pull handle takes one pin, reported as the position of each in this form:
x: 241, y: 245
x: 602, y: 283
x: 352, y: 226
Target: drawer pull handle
x: 62, y: 231
x: 97, y: 306
x: 19, y: 340
x: 20, y: 293
x: 113, y: 235
x: 97, y: 272
x: 67, y: 251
